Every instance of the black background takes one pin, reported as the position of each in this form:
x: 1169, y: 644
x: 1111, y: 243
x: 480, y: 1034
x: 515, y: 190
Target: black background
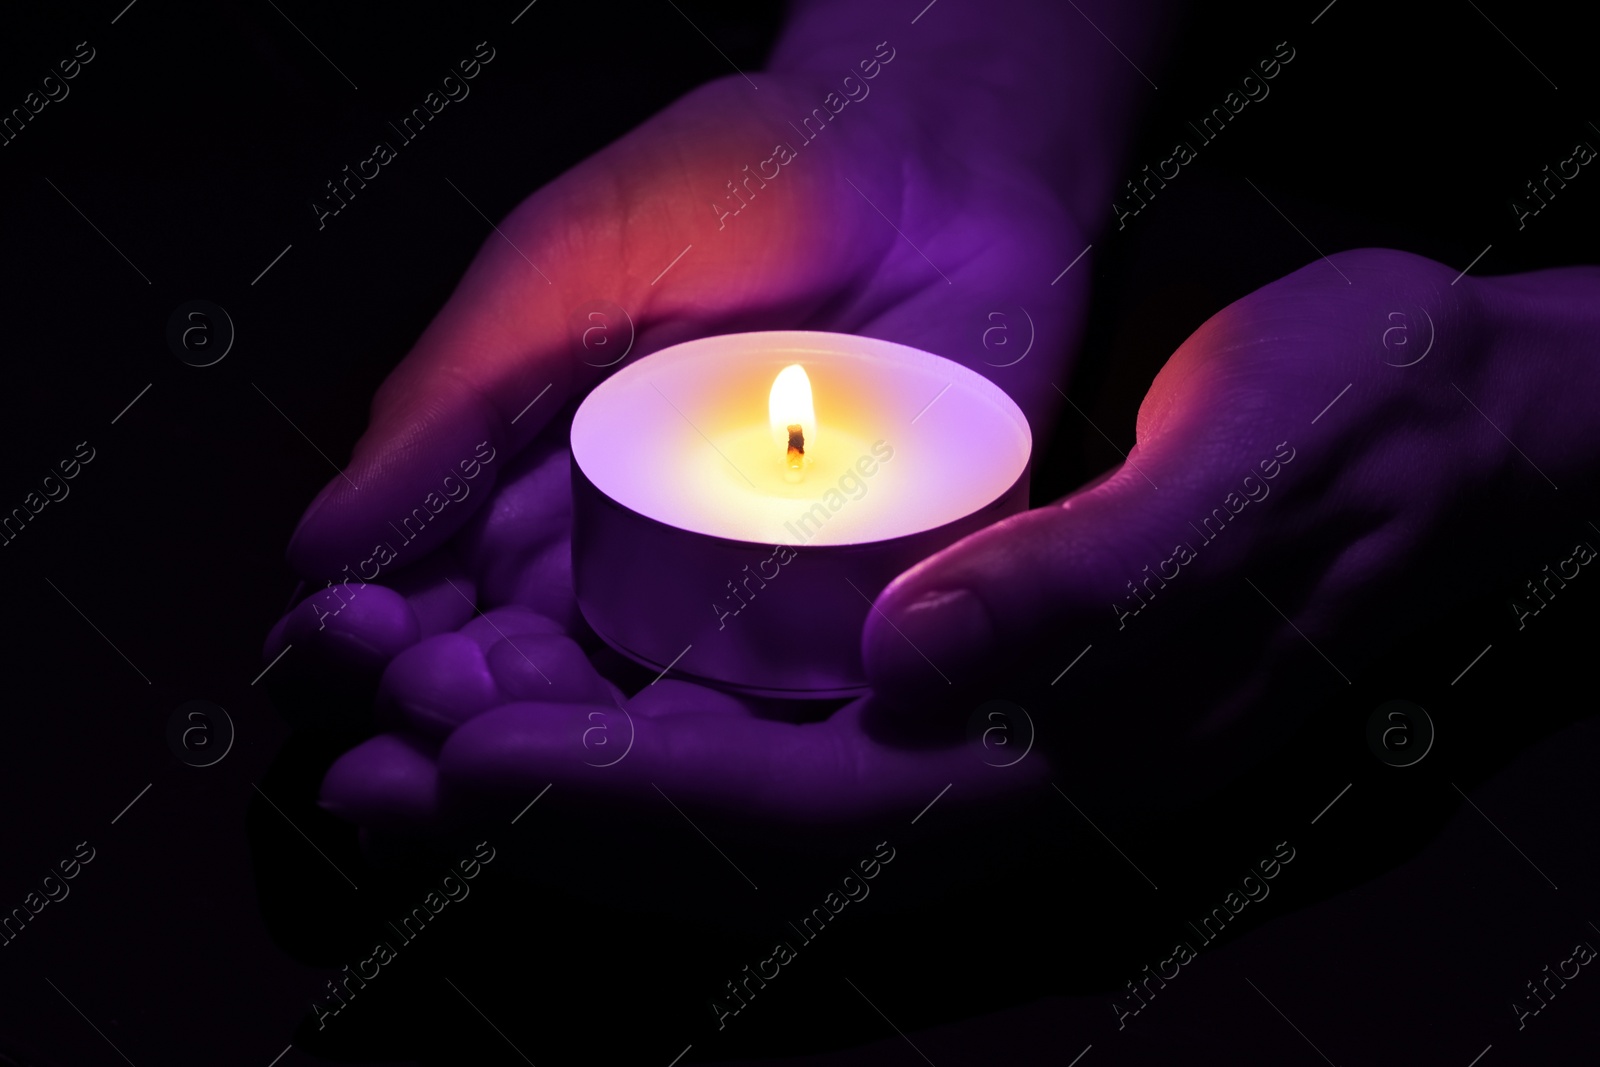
x: 205, y: 925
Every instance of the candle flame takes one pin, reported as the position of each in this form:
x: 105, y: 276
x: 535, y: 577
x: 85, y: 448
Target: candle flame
x: 793, y: 418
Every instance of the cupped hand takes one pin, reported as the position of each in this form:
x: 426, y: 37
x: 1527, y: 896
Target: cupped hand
x: 716, y: 216
x: 1307, y: 484
x: 1323, y: 466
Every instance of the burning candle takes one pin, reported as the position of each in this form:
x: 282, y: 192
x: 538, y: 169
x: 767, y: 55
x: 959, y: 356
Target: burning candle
x: 741, y: 543
x: 791, y: 413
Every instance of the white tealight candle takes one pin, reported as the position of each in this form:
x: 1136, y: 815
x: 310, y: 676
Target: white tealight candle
x: 738, y: 501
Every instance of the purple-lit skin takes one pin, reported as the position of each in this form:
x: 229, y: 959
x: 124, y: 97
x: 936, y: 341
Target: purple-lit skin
x: 947, y: 144
x: 944, y: 140
x: 1401, y: 501
x: 1415, y: 488
x: 1421, y: 482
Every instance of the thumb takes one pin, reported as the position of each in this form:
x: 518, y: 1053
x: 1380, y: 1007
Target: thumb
x: 1010, y: 607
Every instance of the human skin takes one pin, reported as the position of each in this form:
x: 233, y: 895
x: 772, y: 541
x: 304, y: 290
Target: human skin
x: 951, y: 190
x: 1393, y: 495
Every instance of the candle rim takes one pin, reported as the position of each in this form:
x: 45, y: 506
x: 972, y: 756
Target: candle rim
x: 792, y: 346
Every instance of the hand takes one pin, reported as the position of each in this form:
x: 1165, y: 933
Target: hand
x: 870, y: 228
x: 809, y: 250
x: 1306, y: 486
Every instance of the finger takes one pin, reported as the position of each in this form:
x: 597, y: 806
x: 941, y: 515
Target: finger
x: 384, y: 781
x: 499, y: 361
x: 323, y: 659
x: 520, y: 543
x: 1216, y: 435
x: 738, y: 767
x: 441, y: 592
x: 359, y: 633
x: 545, y: 667
x: 445, y: 680
x: 356, y: 627
x: 439, y: 429
x: 436, y: 684
x: 513, y: 620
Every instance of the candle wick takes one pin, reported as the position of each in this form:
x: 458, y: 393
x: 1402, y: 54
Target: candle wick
x: 797, y: 452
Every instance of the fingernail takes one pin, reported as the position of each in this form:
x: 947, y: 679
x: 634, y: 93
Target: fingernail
x: 943, y: 634
x: 954, y: 619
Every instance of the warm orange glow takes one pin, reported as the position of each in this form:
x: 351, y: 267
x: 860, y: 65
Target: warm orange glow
x: 789, y: 407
